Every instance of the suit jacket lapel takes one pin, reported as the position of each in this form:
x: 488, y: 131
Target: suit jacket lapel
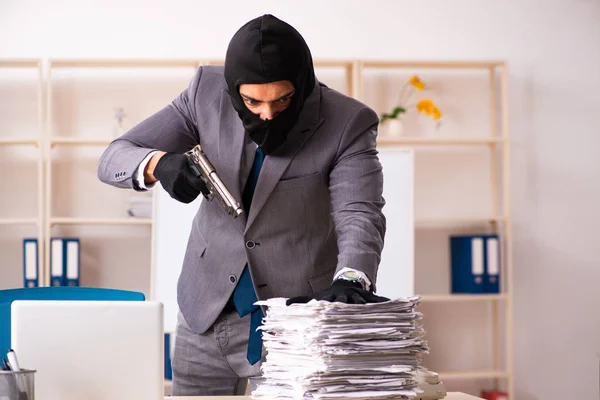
x: 275, y: 164
x: 231, y: 144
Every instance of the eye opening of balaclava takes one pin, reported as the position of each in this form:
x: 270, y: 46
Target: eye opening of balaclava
x: 266, y: 50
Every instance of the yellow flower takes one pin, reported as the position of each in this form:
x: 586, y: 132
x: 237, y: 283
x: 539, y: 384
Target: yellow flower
x: 425, y: 106
x: 417, y: 83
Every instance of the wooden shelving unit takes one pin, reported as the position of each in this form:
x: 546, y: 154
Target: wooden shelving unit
x: 497, y: 142
x: 36, y: 142
x: 55, y: 139
x: 499, y: 221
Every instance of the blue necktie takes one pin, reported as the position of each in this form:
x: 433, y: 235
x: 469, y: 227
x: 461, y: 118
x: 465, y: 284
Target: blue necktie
x: 244, y: 296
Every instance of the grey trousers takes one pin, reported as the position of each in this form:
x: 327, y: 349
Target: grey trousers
x: 213, y: 363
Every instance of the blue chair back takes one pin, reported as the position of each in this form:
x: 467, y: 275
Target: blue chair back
x: 54, y: 293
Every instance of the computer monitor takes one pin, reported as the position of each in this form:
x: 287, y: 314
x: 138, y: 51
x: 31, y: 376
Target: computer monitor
x: 91, y: 349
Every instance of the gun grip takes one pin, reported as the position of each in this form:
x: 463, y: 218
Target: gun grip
x: 206, y: 193
x: 194, y: 168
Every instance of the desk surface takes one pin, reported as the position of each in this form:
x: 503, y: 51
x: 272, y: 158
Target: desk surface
x: 450, y: 396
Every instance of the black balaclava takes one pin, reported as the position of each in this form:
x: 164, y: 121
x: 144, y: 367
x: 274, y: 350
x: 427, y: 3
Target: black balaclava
x: 265, y: 50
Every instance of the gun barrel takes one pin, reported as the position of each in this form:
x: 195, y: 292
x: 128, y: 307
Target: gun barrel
x: 226, y: 198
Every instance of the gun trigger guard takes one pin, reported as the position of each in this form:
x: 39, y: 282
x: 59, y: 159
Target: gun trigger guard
x: 208, y: 196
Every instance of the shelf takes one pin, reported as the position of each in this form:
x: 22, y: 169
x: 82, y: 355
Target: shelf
x: 332, y: 63
x: 120, y: 63
x: 19, y: 221
x: 458, y: 64
x: 19, y: 141
x: 317, y: 63
x: 104, y: 63
x: 476, y: 374
x: 438, y: 298
x: 65, y: 140
x: 458, y: 220
x: 100, y: 221
x: 20, y: 63
x: 421, y: 141
x: 76, y: 141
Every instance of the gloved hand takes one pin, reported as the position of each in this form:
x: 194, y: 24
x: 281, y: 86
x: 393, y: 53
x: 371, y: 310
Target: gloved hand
x: 176, y: 177
x: 341, y: 291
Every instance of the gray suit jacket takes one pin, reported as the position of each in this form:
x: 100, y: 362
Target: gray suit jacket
x: 317, y: 206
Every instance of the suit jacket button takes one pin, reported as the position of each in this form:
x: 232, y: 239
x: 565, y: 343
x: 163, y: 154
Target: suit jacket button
x: 232, y: 278
x: 250, y: 244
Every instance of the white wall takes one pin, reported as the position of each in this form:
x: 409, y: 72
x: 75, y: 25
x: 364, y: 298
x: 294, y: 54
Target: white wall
x: 553, y: 48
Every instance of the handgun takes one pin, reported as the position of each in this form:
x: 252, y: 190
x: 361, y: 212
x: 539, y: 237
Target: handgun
x: 203, y: 169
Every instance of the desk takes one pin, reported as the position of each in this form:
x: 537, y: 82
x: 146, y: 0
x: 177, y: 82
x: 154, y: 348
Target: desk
x: 449, y: 396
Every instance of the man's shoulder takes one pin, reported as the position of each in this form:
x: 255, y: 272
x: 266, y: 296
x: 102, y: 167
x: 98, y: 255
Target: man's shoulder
x: 213, y: 72
x: 210, y: 78
x: 335, y: 103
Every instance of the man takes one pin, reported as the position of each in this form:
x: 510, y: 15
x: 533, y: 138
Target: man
x: 300, y: 157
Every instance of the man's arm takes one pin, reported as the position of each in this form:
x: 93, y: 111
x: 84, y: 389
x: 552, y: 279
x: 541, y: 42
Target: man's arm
x: 172, y: 129
x: 356, y: 187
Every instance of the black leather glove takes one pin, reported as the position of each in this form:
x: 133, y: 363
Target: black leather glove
x: 176, y: 177
x: 342, y: 291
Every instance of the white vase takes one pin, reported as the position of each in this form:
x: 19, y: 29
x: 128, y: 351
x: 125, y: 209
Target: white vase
x: 393, y: 128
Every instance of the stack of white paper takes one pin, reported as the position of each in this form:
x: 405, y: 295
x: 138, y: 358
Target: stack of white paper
x: 325, y: 350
